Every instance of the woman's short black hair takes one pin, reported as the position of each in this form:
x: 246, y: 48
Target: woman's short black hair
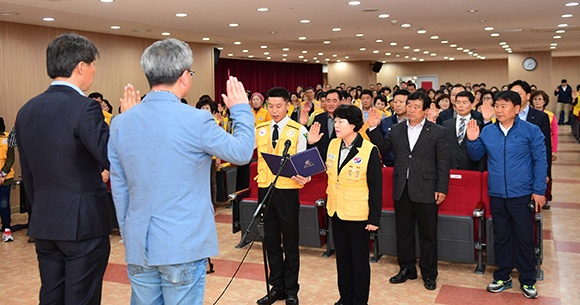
x: 352, y: 114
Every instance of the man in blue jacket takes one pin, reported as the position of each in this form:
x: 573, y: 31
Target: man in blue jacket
x: 160, y: 153
x: 517, y: 174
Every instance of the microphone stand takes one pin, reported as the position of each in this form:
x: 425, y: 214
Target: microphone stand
x: 261, y: 211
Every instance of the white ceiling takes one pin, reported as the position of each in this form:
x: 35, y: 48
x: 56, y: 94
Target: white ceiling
x: 525, y: 25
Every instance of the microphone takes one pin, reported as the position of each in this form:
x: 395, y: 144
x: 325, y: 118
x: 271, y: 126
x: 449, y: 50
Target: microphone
x: 287, y: 145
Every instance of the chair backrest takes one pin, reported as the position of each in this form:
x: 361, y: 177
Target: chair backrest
x: 485, y: 194
x: 253, y: 182
x: 464, y: 193
x: 388, y: 202
x: 314, y: 190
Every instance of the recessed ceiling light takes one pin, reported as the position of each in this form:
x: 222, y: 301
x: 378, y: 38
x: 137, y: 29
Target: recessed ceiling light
x: 285, y: 49
x: 302, y: 38
x: 336, y: 29
x: 567, y: 16
x: 363, y: 49
x: 572, y: 4
x: 453, y: 45
x: 421, y: 31
x: 414, y: 58
x: 250, y: 56
x: 305, y: 60
x: 301, y: 56
x: 262, y: 9
x: 48, y: 19
x: 237, y: 43
x: 470, y: 53
x: 552, y: 48
x: 393, y: 43
x: 304, y: 52
x: 489, y: 28
x: 406, y: 47
x: 266, y: 53
x: 505, y: 46
x: 315, y: 58
x: 346, y: 57
x: 433, y: 54
x: 557, y: 37
x: 388, y: 53
x: 459, y: 48
x: 110, y: 1
x: 263, y: 47
x: 359, y: 35
x: 560, y: 31
x: 562, y: 25
x: 283, y: 59
x: 494, y: 34
x: 326, y: 42
x: 434, y: 37
x: 318, y: 61
x: 354, y: 3
x: 376, y: 51
x: 384, y: 61
x: 115, y: 27
x: 383, y: 16
x: 482, y: 57
x: 268, y: 57
x: 320, y: 54
x: 421, y: 59
x: 205, y: 39
x: 416, y: 50
x: 220, y: 48
x: 334, y: 55
x: 397, y: 55
x: 233, y: 25
x: 553, y: 44
x: 304, y: 21
x: 244, y: 51
x: 466, y: 51
x: 181, y: 15
x: 406, y: 56
x: 405, y: 25
x: 284, y: 55
x: 230, y: 54
x: 472, y: 11
x: 327, y: 59
x: 338, y: 60
x: 165, y: 33
x: 378, y: 40
x: 425, y: 52
x: 445, y: 57
x: 502, y: 43
x: 451, y: 58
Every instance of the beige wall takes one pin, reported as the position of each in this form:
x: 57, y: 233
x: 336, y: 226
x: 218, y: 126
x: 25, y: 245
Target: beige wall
x: 23, y: 68
x: 351, y: 73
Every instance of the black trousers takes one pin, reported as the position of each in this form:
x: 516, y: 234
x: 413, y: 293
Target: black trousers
x: 407, y: 213
x: 351, y: 241
x: 281, y: 238
x: 71, y: 272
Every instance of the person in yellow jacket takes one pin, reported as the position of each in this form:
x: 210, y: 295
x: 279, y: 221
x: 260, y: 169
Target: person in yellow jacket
x: 6, y: 180
x: 261, y: 114
x: 281, y: 216
x: 354, y: 201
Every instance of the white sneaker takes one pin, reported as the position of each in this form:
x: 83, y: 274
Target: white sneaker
x: 7, y: 236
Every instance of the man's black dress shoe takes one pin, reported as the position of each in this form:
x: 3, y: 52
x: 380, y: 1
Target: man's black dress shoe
x: 292, y: 300
x: 430, y: 284
x: 275, y: 295
x: 403, y: 275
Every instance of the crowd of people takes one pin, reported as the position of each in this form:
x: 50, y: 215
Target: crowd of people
x: 163, y: 193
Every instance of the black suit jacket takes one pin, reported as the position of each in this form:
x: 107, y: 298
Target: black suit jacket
x: 428, y: 162
x: 450, y: 113
x: 62, y: 140
x: 458, y: 157
x: 374, y: 179
x: 541, y: 119
x: 322, y: 145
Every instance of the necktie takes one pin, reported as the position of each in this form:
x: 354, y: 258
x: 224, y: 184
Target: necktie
x: 330, y: 125
x: 275, y: 135
x: 461, y: 133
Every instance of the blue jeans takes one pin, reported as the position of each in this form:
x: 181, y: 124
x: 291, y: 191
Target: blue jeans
x: 5, y: 206
x: 181, y: 284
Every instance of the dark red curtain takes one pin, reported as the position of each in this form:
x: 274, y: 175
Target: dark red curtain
x: 260, y: 76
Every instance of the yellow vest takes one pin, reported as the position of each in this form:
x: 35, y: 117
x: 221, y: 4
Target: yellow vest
x: 4, y: 154
x: 264, y: 144
x: 550, y: 116
x: 108, y: 117
x: 261, y: 116
x: 348, y: 192
x: 576, y: 109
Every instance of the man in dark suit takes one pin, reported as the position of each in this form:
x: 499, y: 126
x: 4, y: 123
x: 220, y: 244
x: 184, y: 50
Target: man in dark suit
x: 420, y: 183
x: 399, y: 106
x: 451, y: 112
x: 456, y: 129
x: 62, y: 140
x: 535, y: 117
x: 564, y: 94
x: 326, y: 121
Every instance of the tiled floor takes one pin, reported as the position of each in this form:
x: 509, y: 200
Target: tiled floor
x: 457, y: 284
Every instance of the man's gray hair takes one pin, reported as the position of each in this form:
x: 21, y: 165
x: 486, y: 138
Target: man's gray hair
x: 164, y: 61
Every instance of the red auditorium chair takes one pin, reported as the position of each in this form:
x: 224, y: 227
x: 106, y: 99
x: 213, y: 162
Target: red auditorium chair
x: 538, y: 233
x: 385, y: 241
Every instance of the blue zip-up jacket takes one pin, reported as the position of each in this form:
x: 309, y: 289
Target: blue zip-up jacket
x: 516, y: 163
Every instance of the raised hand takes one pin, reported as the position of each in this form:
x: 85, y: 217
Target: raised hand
x: 131, y: 97
x: 487, y: 111
x: 472, y: 131
x: 236, y: 94
x: 374, y: 117
x: 314, y: 134
x: 303, y: 116
x: 432, y: 113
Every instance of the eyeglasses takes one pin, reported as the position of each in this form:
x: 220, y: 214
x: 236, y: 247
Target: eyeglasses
x: 192, y: 73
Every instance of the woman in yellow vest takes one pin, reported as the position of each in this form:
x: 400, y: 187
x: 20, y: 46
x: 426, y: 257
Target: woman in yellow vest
x: 6, y: 179
x: 354, y: 201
